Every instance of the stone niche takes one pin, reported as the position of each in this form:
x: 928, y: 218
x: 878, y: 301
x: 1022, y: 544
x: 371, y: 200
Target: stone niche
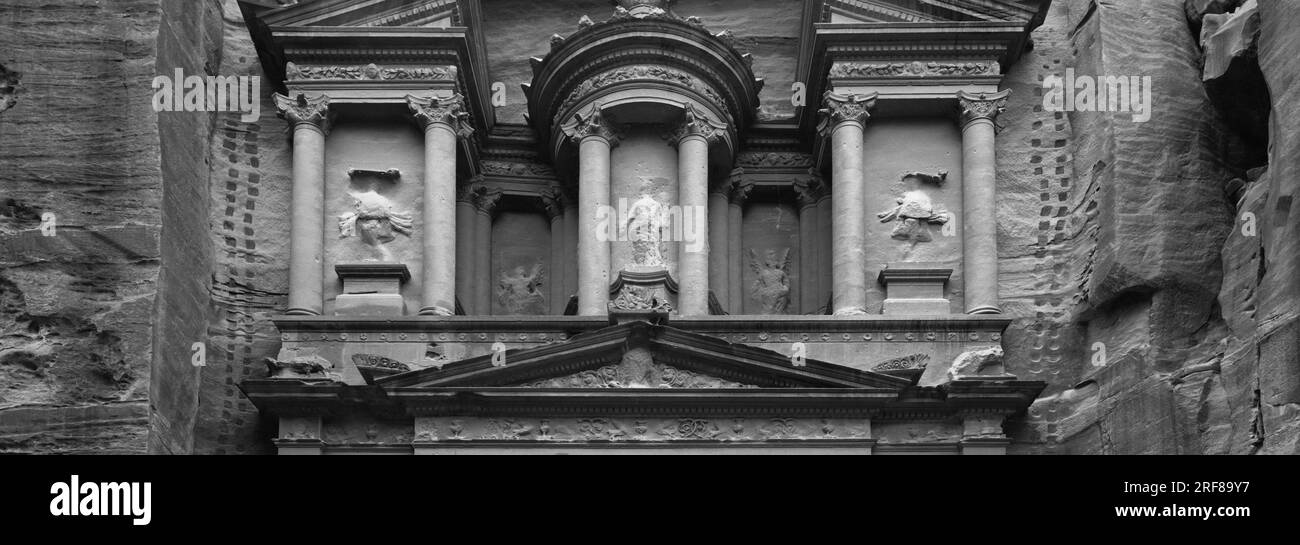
x: 643, y: 195
x: 917, y: 161
x: 374, y: 176
x: 522, y: 271
x: 770, y: 253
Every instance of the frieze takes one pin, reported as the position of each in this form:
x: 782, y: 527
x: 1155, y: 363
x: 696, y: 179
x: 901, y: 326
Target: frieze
x: 294, y: 72
x: 525, y: 170
x: 640, y: 72
x: 913, y: 69
x: 632, y: 430
x: 776, y: 159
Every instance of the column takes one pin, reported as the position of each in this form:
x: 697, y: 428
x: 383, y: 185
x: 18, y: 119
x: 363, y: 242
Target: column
x: 809, y: 195
x: 570, y: 247
x: 485, y: 280
x: 444, y: 121
x: 719, y: 248
x: 555, y: 276
x: 310, y: 120
x: 465, y: 244
x: 693, y: 138
x: 979, y: 199
x: 735, y: 241
x: 595, y: 137
x: 845, y: 120
x: 826, y: 249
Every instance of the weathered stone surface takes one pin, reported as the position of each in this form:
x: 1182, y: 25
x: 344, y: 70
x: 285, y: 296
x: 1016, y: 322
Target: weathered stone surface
x: 1233, y: 78
x: 80, y: 153
x: 978, y: 363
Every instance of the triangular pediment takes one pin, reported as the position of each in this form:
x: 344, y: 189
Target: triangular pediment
x: 374, y: 13
x: 929, y: 11
x: 639, y: 355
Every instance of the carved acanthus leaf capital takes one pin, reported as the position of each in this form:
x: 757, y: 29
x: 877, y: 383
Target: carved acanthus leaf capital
x: 449, y: 111
x: 975, y: 107
x: 740, y: 191
x: 487, y: 199
x: 591, y: 123
x: 838, y: 109
x: 553, y: 201
x: 810, y: 191
x: 696, y: 123
x: 302, y: 109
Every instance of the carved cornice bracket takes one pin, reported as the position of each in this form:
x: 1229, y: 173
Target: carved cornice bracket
x: 449, y: 111
x: 839, y: 109
x: 305, y: 110
x: 975, y: 107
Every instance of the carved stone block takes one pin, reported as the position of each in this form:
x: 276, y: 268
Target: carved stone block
x: 913, y: 290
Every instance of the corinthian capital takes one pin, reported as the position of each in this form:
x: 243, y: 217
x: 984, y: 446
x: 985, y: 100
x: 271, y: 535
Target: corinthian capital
x: 811, y: 190
x: 696, y: 123
x: 449, y: 111
x: 981, y: 106
x: 837, y: 109
x: 302, y: 109
x: 591, y: 123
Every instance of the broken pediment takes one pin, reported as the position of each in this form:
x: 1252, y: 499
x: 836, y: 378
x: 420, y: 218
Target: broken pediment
x: 935, y: 11
x: 382, y: 13
x: 641, y: 355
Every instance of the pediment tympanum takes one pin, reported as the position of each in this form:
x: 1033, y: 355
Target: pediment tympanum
x: 639, y: 355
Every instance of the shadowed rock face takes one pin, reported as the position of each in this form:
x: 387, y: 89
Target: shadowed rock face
x: 1150, y: 297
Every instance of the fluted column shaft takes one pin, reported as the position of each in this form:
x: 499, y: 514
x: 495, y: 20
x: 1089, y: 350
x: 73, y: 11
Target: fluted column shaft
x: 979, y: 200
x: 444, y: 123
x: 310, y: 120
x: 845, y: 121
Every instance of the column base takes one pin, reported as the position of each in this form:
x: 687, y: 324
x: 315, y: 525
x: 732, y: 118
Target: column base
x: 436, y: 311
x: 984, y: 310
x: 851, y: 312
x: 302, y: 312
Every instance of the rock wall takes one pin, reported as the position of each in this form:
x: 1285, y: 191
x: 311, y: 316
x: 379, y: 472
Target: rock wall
x: 1161, y: 325
x: 80, y: 149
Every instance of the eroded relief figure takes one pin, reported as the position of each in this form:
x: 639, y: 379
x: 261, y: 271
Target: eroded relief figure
x: 644, y: 230
x: 519, y: 290
x: 916, y: 212
x: 375, y: 222
x: 771, y: 287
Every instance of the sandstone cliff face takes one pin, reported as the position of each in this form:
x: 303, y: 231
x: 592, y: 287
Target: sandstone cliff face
x: 80, y: 363
x: 1148, y: 305
x: 81, y: 143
